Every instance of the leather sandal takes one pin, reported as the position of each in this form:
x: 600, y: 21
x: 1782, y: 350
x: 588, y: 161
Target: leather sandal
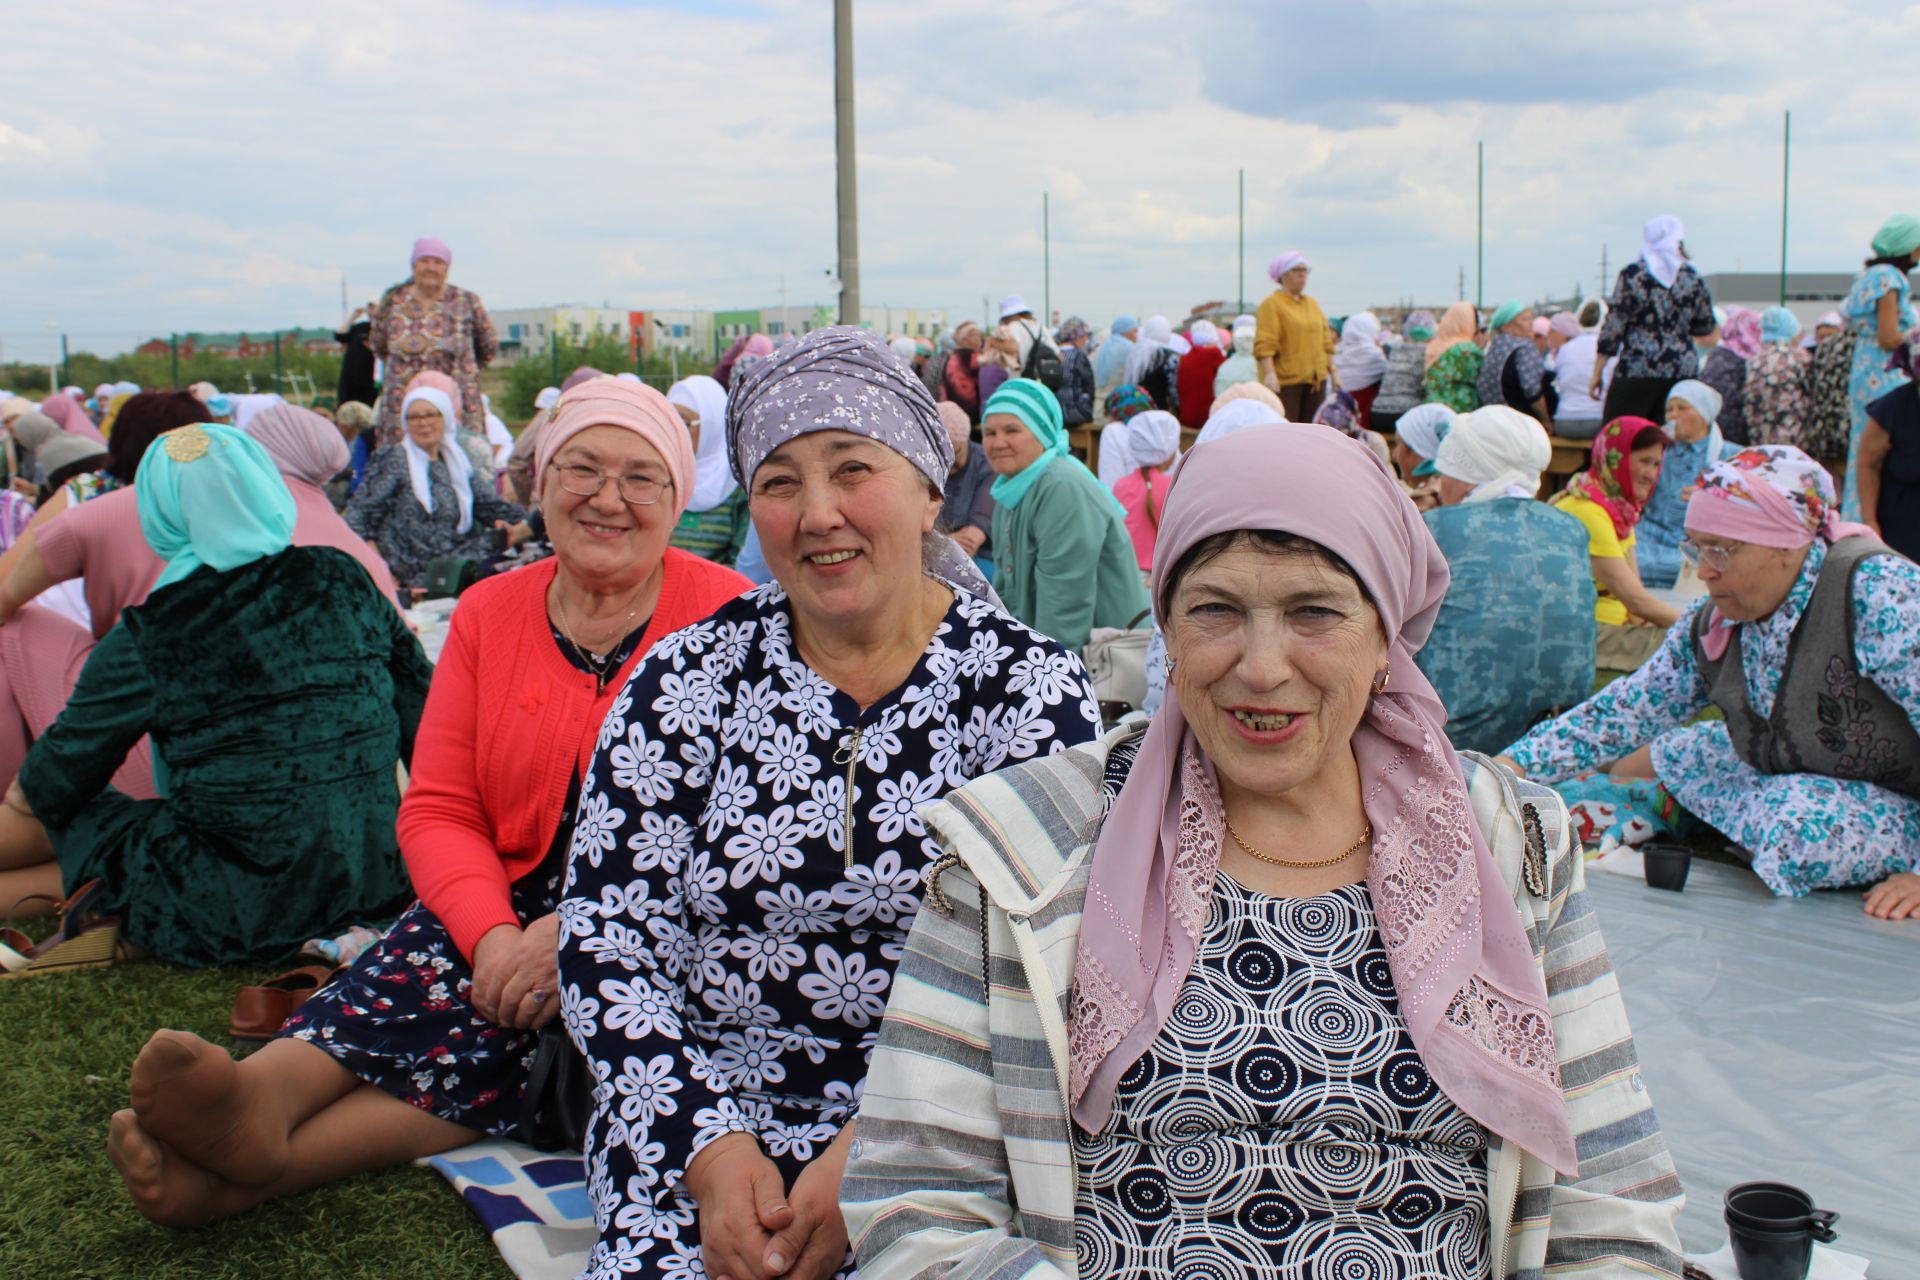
x: 259, y: 1012
x: 86, y: 939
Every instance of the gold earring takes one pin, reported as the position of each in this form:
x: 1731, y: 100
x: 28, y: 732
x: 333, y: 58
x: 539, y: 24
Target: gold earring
x: 1386, y: 678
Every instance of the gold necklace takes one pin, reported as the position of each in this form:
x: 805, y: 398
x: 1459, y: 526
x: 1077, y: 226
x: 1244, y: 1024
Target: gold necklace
x: 599, y: 666
x: 1302, y: 866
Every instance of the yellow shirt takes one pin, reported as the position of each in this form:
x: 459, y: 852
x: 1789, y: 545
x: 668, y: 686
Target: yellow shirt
x: 1601, y: 542
x: 1294, y: 332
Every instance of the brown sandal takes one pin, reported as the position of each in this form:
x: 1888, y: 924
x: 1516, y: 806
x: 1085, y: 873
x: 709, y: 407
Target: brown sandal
x: 259, y: 1012
x: 85, y: 939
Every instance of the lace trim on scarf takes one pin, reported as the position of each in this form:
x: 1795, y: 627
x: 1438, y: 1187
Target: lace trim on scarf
x: 1102, y: 1012
x: 1502, y: 1025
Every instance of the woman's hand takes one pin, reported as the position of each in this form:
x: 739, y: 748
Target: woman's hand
x: 25, y: 488
x: 516, y: 974
x: 815, y: 1245
x: 1895, y: 898
x: 1593, y: 386
x: 516, y: 533
x: 969, y: 537
x: 743, y: 1201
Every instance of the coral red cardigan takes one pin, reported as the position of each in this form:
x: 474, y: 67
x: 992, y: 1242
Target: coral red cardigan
x: 509, y: 724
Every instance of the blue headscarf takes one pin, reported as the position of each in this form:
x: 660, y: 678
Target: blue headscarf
x: 211, y: 496
x: 1112, y: 356
x: 1777, y: 324
x: 1039, y: 412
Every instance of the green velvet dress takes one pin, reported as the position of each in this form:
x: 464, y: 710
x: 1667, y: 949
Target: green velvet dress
x: 279, y: 696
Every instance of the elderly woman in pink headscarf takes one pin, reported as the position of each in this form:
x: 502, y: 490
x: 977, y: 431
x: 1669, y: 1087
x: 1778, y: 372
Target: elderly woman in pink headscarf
x: 71, y: 416
x: 1808, y: 642
x: 427, y: 323
x: 1283, y: 908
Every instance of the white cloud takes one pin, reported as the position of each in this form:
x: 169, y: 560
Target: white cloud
x: 655, y: 154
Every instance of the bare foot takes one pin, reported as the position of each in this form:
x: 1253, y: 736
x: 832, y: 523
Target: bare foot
x: 166, y: 1188
x: 193, y: 1097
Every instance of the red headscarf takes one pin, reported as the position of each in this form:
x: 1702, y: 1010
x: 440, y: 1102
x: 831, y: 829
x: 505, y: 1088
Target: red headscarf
x: 1608, y: 480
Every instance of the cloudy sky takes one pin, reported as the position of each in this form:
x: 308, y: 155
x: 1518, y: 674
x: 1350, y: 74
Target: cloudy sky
x: 221, y: 164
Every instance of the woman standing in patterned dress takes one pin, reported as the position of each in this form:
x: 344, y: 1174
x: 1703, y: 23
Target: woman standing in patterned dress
x: 426, y: 323
x: 748, y: 856
x: 1260, y: 992
x: 1878, y: 314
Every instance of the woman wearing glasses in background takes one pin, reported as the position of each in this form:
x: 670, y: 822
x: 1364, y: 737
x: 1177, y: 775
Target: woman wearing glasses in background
x: 1809, y: 643
x: 424, y: 1044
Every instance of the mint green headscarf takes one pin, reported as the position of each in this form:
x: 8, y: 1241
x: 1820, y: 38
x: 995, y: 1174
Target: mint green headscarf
x: 209, y: 495
x: 1506, y: 312
x: 1897, y: 236
x: 1039, y: 412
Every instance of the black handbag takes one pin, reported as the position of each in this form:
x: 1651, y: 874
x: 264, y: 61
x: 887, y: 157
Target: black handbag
x: 559, y: 1095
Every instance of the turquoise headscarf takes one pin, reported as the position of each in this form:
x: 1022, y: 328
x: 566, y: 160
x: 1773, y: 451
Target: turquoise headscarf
x: 211, y: 496
x: 1777, y: 324
x: 1898, y: 236
x: 1039, y: 412
x: 1507, y: 311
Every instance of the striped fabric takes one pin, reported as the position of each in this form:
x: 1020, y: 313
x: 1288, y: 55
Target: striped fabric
x: 962, y: 1160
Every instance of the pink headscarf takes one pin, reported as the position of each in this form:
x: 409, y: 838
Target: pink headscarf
x: 444, y: 384
x: 431, y: 247
x: 301, y: 443
x: 66, y: 411
x: 1772, y: 495
x: 1469, y: 987
x: 1284, y: 263
x: 1741, y: 333
x: 610, y: 402
x: 758, y: 345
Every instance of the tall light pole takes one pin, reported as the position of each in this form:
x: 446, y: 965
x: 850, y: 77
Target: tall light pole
x: 1046, y: 260
x: 1242, y: 278
x: 843, y: 154
x: 1786, y: 158
x: 1480, y: 227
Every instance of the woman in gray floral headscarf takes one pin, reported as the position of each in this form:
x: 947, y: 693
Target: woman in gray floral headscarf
x: 750, y: 857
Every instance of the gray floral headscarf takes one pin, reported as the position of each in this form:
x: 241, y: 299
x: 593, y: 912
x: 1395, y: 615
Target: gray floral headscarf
x: 845, y: 379
x: 835, y: 379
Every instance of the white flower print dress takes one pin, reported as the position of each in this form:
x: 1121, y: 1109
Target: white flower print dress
x: 747, y: 862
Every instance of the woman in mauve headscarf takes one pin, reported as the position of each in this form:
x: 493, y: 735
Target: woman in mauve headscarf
x: 426, y: 323
x: 1282, y: 908
x: 748, y: 858
x: 1800, y: 604
x: 1724, y: 368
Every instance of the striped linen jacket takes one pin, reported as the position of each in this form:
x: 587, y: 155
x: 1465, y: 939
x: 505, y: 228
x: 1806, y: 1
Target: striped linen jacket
x: 962, y: 1159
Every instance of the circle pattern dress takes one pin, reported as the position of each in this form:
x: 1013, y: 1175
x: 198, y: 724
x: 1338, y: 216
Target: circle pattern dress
x: 1282, y: 1125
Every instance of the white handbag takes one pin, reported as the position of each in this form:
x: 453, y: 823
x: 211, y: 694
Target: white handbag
x: 1116, y: 658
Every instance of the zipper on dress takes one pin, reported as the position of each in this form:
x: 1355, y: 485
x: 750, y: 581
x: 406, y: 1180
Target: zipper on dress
x: 848, y: 755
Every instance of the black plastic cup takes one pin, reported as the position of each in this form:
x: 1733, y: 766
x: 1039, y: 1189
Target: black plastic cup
x: 1667, y: 865
x: 1773, y: 1228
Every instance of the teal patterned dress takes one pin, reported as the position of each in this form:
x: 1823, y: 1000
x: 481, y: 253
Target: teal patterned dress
x: 280, y: 695
x: 1871, y: 378
x: 1806, y: 831
x: 1514, y: 639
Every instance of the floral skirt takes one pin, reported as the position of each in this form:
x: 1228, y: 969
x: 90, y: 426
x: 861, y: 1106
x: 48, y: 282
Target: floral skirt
x: 402, y: 1018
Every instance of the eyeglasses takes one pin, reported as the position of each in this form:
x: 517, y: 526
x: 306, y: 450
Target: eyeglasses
x: 1716, y: 557
x: 585, y: 482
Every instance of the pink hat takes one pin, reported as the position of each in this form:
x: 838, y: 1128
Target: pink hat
x: 1542, y: 326
x: 442, y: 383
x: 431, y: 247
x: 1566, y: 324
x: 1284, y: 263
x: 609, y: 402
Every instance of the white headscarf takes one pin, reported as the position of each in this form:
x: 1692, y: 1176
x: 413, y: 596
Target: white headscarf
x: 1660, y: 248
x: 713, y: 481
x: 1155, y: 333
x: 1244, y: 329
x: 244, y: 407
x: 497, y: 435
x: 1421, y: 428
x: 1203, y: 333
x: 1358, y: 358
x: 1237, y: 415
x: 1152, y: 439
x: 459, y: 470
x: 1496, y: 449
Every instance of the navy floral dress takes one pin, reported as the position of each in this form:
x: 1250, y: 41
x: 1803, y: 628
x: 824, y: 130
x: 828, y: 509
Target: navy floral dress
x: 747, y: 860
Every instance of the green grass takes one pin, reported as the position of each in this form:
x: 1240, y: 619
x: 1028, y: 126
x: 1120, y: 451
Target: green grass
x: 66, y: 1043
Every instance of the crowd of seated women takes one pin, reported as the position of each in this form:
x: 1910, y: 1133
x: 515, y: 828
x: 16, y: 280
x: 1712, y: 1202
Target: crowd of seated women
x: 790, y: 863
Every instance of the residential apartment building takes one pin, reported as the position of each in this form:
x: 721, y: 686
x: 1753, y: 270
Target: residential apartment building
x: 527, y: 331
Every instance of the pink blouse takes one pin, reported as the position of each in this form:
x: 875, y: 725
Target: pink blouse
x: 1132, y: 492
x: 100, y: 540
